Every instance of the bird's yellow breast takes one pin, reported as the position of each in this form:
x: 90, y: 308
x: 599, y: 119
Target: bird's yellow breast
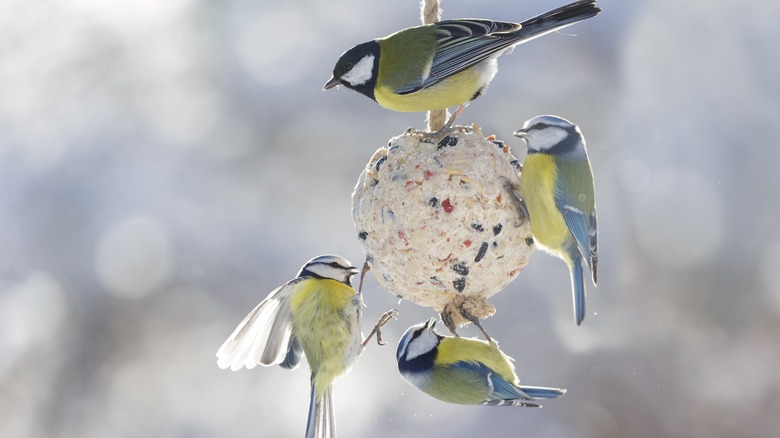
x: 319, y: 295
x: 456, y: 89
x: 547, y: 224
x: 325, y: 320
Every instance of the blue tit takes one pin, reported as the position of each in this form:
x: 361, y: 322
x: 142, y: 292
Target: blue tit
x: 463, y: 371
x: 444, y: 64
x: 559, y: 194
x: 317, y: 313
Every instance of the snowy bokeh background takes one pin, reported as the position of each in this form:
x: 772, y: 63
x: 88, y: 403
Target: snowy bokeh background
x: 164, y: 165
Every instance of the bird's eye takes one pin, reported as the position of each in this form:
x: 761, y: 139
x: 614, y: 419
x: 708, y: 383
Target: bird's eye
x: 334, y: 265
x: 349, y: 66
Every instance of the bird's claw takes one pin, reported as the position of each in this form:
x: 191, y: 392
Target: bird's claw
x: 518, y: 203
x: 377, y: 330
x: 432, y: 137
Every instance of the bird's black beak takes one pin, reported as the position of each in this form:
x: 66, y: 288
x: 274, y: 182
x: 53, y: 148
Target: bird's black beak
x: 353, y: 270
x: 430, y: 324
x: 520, y: 133
x: 331, y: 83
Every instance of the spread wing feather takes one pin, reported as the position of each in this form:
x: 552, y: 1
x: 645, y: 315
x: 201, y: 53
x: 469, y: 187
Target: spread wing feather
x: 264, y: 336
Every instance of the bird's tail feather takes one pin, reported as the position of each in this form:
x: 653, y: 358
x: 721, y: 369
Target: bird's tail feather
x: 557, y: 19
x: 578, y: 288
x: 512, y: 402
x: 542, y: 392
x: 322, y: 417
x: 530, y: 393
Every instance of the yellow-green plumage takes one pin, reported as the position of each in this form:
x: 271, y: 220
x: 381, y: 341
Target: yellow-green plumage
x: 560, y: 198
x: 443, y: 64
x: 325, y: 320
x: 417, y: 46
x: 463, y: 371
x: 317, y: 314
x: 452, y: 350
x: 453, y: 91
x: 548, y: 227
x: 461, y: 386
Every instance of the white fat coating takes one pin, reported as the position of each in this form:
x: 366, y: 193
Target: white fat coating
x: 361, y: 73
x: 414, y: 245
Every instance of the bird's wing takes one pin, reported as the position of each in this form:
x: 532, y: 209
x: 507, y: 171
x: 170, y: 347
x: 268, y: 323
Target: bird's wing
x: 466, y: 42
x: 501, y: 391
x: 264, y: 336
x: 582, y: 226
x: 462, y: 44
x: 294, y: 353
x: 593, y: 247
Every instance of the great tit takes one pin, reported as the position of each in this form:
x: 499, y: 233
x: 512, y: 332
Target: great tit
x: 463, y: 371
x: 317, y: 313
x: 444, y: 64
x: 559, y: 194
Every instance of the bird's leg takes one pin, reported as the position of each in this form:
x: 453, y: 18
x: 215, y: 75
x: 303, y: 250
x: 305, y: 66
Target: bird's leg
x: 363, y: 272
x: 466, y: 314
x: 447, y: 128
x: 384, y: 319
x: 454, y: 116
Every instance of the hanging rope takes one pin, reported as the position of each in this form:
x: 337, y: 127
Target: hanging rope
x: 430, y: 12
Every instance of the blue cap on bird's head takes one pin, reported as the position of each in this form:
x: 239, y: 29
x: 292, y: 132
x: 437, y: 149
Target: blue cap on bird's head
x: 542, y: 122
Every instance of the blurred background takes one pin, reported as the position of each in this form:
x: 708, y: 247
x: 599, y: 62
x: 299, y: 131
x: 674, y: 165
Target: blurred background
x: 164, y: 165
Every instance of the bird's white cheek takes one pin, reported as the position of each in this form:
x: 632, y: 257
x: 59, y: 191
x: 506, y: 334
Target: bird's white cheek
x: 361, y: 73
x: 547, y: 138
x: 426, y: 342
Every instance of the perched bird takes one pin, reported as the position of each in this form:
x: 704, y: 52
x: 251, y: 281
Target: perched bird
x: 559, y: 195
x: 317, y: 313
x: 444, y: 64
x: 463, y: 371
